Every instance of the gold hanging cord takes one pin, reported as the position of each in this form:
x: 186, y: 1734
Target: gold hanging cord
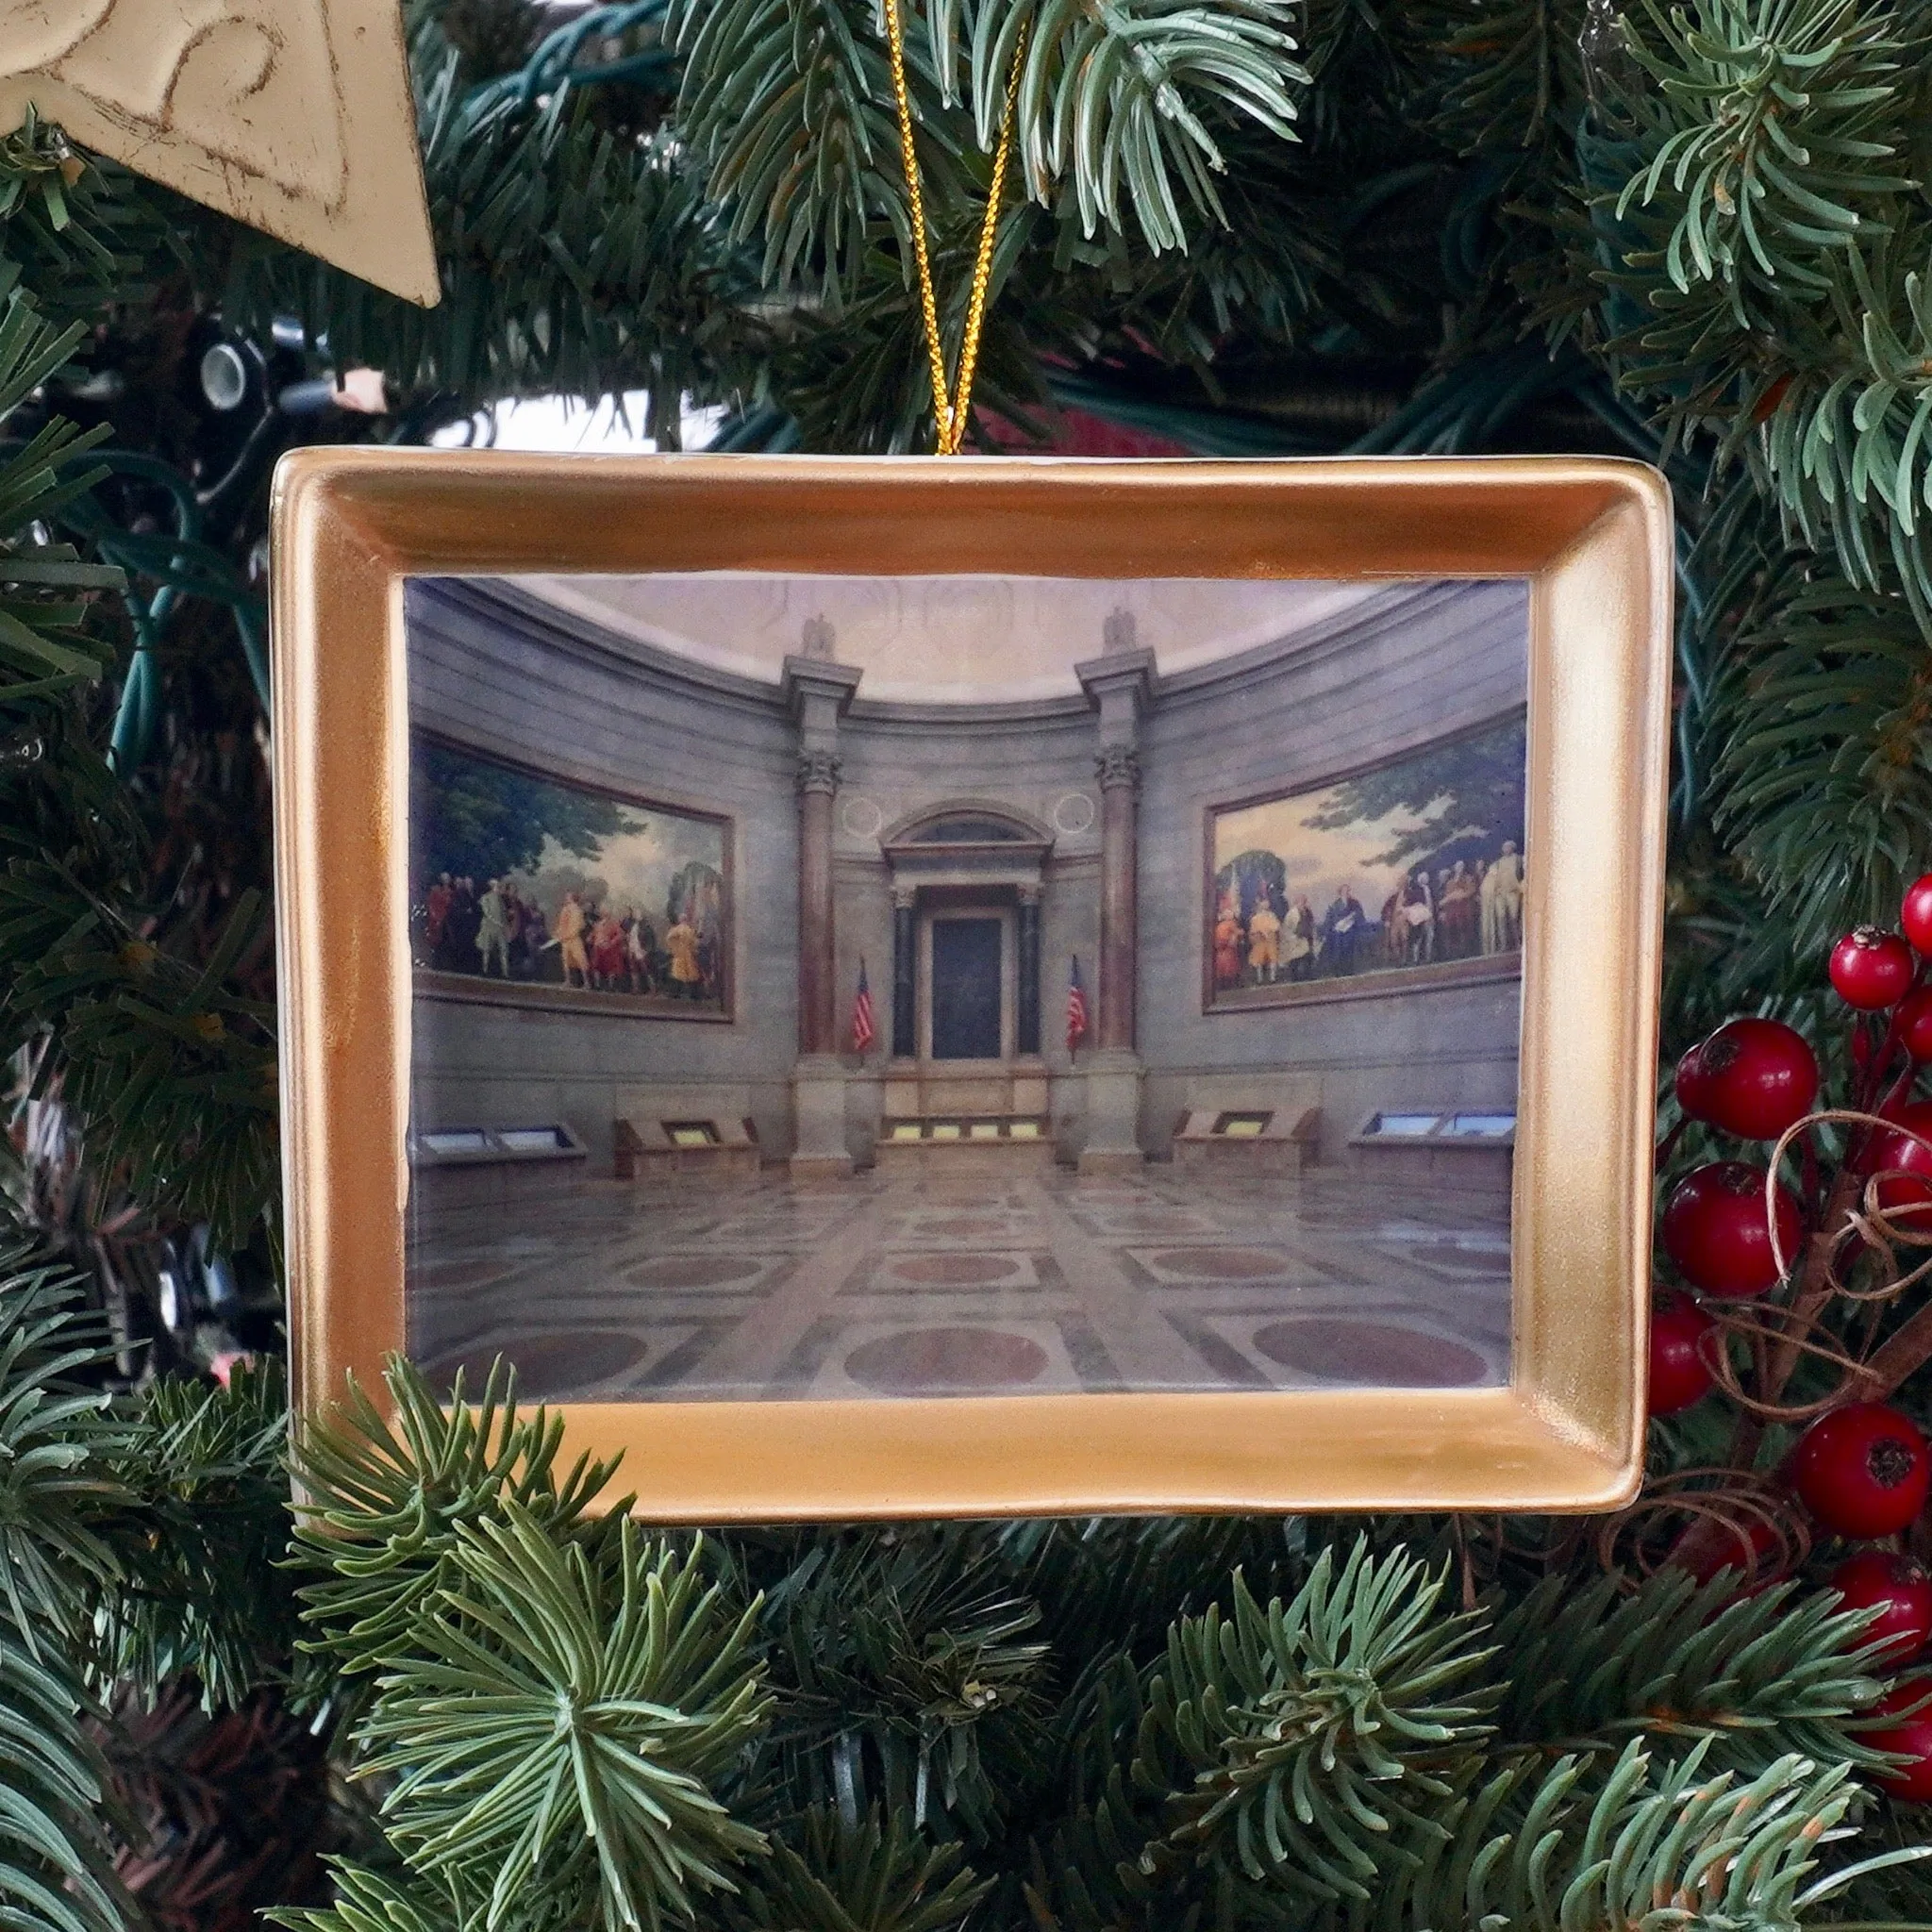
x: 950, y: 410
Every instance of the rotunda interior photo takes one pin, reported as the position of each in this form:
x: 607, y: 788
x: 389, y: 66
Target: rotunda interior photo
x: 874, y: 987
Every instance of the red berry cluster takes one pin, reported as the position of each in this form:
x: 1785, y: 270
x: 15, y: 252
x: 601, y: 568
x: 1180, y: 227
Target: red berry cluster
x: 1862, y: 1470
x: 1754, y: 1079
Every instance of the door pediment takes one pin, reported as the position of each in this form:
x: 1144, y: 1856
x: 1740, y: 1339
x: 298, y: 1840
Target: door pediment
x: 966, y: 841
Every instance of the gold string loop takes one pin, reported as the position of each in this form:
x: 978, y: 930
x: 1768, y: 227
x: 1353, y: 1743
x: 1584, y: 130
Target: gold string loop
x: 950, y: 406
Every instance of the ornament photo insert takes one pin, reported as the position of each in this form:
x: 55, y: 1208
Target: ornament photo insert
x: 966, y: 1131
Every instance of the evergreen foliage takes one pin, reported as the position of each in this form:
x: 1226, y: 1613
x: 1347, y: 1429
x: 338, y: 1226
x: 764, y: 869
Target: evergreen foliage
x: 202, y: 1529
x: 386, y: 1501
x: 574, y: 1722
x: 553, y: 1736
x: 58, y: 1448
x: 880, y: 1740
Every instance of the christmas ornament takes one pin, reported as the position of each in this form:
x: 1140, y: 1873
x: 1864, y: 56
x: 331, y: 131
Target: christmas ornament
x: 1909, y: 1739
x: 1915, y: 915
x: 812, y: 833
x: 1680, y: 1372
x: 294, y: 116
x: 1862, y: 1470
x: 1752, y: 1077
x: 1872, y: 969
x: 1717, y: 1232
x: 1898, y: 1588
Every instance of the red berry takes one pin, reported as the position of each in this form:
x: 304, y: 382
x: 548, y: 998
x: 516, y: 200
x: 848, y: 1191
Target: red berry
x: 1751, y: 1545
x: 1870, y: 1145
x: 1915, y: 915
x: 1872, y: 969
x: 1899, y: 1589
x: 1862, y: 1470
x: 1680, y: 1370
x: 1752, y: 1077
x: 1905, y: 1194
x: 1717, y: 1232
x: 1909, y: 1739
x: 1914, y: 1023
x: 1694, y: 1085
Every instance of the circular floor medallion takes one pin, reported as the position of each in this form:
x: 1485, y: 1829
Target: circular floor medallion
x: 956, y: 1271
x: 1369, y: 1354
x: 693, y: 1271
x: 1220, y: 1264
x: 549, y: 1365
x: 946, y: 1362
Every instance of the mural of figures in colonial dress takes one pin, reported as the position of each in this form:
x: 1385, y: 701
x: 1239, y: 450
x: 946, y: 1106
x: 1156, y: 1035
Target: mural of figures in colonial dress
x: 1414, y: 866
x: 525, y: 882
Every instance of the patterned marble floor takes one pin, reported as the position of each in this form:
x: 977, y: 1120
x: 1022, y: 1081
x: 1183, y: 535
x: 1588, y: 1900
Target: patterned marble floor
x: 968, y: 1284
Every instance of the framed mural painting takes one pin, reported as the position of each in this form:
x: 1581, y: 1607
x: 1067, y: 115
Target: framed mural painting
x: 1406, y: 873
x: 977, y: 987
x: 527, y: 888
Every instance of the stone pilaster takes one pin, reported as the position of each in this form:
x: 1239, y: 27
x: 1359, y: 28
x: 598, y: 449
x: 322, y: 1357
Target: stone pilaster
x: 1120, y: 686
x: 819, y: 692
x: 905, y: 975
x: 1027, y: 999
x: 1118, y: 769
x: 818, y: 990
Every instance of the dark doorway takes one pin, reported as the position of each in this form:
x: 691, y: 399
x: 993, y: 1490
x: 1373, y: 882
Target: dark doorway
x: 966, y: 989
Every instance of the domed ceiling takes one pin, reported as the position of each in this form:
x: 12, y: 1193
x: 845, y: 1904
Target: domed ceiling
x: 956, y: 639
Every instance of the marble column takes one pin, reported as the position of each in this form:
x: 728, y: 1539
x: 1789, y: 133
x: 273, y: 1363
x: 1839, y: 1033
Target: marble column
x: 904, y: 976
x: 818, y: 989
x: 1120, y: 685
x: 1026, y: 1002
x: 819, y: 692
x: 1118, y: 769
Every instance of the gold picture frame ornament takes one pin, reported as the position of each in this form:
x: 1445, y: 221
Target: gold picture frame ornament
x: 1593, y: 538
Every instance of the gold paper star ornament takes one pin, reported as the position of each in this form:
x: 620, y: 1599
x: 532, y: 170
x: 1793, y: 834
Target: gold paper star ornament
x: 294, y: 116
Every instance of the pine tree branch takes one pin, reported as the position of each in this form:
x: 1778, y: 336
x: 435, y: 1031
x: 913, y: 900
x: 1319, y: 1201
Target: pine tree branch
x: 205, y: 1594
x: 907, y: 1676
x: 1114, y: 95
x: 553, y: 1731
x: 1825, y: 774
x: 382, y: 1500
x: 878, y: 1875
x: 1743, y: 1679
x: 59, y: 1443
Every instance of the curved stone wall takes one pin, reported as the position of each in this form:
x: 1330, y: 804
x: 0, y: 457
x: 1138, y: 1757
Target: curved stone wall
x: 493, y: 668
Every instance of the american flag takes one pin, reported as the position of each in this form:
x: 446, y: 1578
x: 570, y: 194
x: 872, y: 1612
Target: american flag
x: 1076, y: 1007
x: 861, y: 1014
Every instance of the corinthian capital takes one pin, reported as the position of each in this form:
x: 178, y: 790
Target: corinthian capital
x: 1117, y: 765
x: 818, y: 771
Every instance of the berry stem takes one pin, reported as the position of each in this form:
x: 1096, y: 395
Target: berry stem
x: 1904, y: 1352
x: 1887, y: 1047
x: 1814, y: 1288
